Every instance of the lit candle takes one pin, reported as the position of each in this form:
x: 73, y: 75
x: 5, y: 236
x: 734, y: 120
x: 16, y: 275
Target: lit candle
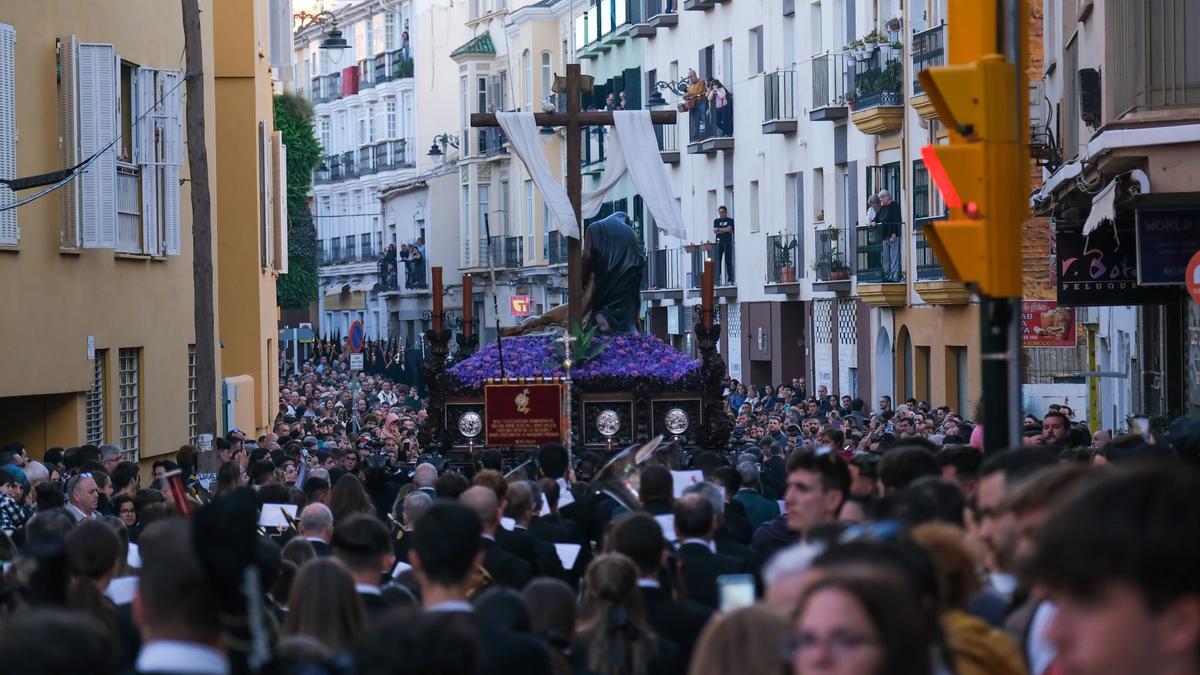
x: 468, y: 304
x: 437, y: 299
x: 706, y: 293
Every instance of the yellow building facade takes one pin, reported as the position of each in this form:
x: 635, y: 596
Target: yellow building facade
x: 96, y: 322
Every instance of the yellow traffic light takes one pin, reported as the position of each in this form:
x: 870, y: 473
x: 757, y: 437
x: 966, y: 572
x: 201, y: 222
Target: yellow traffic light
x: 982, y: 173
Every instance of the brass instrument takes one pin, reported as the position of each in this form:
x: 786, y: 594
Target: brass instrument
x: 483, y: 580
x: 522, y: 472
x: 620, y: 478
x: 398, y: 525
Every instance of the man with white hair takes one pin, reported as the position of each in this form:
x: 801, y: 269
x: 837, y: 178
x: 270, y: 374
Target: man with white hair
x: 110, y: 456
x: 424, y: 477
x: 316, y: 525
x: 887, y: 227
x: 83, y: 495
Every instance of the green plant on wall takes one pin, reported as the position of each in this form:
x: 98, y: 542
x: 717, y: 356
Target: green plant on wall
x: 294, y: 119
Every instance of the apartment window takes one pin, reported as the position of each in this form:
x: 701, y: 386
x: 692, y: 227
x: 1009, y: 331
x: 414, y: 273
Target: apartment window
x: 364, y: 246
x: 326, y: 135
x: 466, y: 222
x: 348, y: 245
x: 818, y: 195
x: 371, y: 124
x: 94, y: 407
x: 128, y: 397
x: 361, y: 116
x: 9, y: 234
x: 1070, y: 101
x: 527, y: 72
x: 547, y: 76
x: 193, y: 434
x: 529, y: 208
x: 756, y: 50
x: 391, y: 118
x: 754, y: 206
x: 369, y: 47
x: 481, y: 94
x: 485, y: 192
x: 920, y: 191
x: 389, y: 31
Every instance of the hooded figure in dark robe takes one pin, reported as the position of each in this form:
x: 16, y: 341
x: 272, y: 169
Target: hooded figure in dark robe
x: 613, y: 264
x: 613, y: 257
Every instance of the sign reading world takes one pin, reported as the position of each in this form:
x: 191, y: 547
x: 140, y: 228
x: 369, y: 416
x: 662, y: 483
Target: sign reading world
x: 1166, y: 240
x: 522, y: 414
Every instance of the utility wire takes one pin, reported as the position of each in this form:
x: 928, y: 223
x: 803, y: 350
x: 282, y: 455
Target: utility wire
x: 79, y: 168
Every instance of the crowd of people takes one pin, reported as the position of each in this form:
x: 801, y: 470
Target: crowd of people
x: 824, y: 539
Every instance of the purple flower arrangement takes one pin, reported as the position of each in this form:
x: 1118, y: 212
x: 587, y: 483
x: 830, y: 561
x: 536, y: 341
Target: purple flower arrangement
x: 643, y: 358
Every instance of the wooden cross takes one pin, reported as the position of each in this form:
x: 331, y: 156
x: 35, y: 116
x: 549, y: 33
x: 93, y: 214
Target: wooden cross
x: 574, y: 119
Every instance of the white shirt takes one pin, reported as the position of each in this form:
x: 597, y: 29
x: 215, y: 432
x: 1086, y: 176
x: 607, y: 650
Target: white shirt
x: 710, y: 545
x: 121, y: 590
x: 451, y: 606
x: 77, y: 514
x: 367, y: 589
x: 1038, y: 650
x: 172, y: 656
x: 649, y: 583
x: 387, y: 397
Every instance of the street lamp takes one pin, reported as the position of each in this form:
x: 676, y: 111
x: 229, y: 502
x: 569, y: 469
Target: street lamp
x: 679, y: 88
x: 333, y: 40
x: 441, y: 143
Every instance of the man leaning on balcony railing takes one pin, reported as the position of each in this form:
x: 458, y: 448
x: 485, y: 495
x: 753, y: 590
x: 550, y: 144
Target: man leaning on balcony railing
x: 887, y: 225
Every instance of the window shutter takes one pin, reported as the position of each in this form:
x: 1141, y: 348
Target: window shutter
x: 144, y: 151
x: 96, y: 76
x: 68, y: 140
x: 265, y: 183
x: 9, y: 234
x: 170, y: 93
x: 280, y: 216
x: 170, y: 210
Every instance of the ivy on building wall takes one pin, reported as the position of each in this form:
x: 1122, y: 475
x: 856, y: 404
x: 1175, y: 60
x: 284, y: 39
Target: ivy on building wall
x: 294, y: 119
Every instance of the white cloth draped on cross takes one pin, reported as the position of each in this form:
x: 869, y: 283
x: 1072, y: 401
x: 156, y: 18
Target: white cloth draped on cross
x: 632, y: 147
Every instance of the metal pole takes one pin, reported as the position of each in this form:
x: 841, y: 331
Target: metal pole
x: 487, y: 232
x: 295, y: 354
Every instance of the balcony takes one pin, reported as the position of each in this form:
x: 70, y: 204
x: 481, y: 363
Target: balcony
x: 831, y: 268
x: 514, y: 252
x: 641, y: 11
x: 668, y: 142
x: 348, y: 169
x: 932, y: 284
x: 491, y: 141
x: 829, y: 88
x: 710, y: 130
x: 928, y: 50
x: 779, y: 102
x: 782, y: 275
x: 664, y: 275
x: 699, y: 5
x: 875, y: 286
x: 364, y: 161
x: 878, y: 97
x: 327, y: 88
x: 366, y: 74
x: 555, y: 248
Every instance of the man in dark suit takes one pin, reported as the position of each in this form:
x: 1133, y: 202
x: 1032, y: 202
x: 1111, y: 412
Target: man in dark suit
x: 505, y: 568
x: 695, y: 523
x: 759, y: 509
x: 557, y: 530
x: 657, y: 490
x: 446, y: 551
x: 415, y: 505
x: 362, y: 544
x: 749, y: 558
x: 181, y: 632
x: 640, y: 537
x: 519, y: 544
x: 774, y: 473
x: 316, y: 525
x: 735, y: 524
x: 518, y: 505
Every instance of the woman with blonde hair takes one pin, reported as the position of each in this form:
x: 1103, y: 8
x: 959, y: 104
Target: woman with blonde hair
x: 323, y: 604
x: 612, y: 636
x: 745, y: 641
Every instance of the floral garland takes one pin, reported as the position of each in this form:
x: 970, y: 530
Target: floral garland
x: 648, y: 361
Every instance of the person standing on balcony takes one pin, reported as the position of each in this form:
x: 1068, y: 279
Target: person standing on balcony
x: 695, y: 100
x: 887, y: 222
x: 720, y: 102
x: 420, y: 263
x: 723, y: 228
x: 387, y: 266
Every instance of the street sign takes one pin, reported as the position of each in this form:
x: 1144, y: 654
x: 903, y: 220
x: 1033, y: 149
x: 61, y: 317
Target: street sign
x: 299, y: 334
x: 519, y: 304
x: 1193, y: 276
x: 356, y: 362
x: 358, y: 336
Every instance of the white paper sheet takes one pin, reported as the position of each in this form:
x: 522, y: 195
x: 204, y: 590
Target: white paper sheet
x: 682, y: 479
x: 667, y: 523
x: 272, y: 515
x: 568, y: 554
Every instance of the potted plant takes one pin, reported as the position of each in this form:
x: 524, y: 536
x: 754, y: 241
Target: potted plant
x: 690, y: 248
x: 783, y: 262
x: 707, y: 247
x: 838, y: 271
x: 893, y: 24
x: 896, y: 49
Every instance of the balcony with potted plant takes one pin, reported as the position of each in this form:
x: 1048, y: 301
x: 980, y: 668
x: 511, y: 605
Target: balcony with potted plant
x: 928, y: 50
x: 831, y: 269
x: 782, y: 277
x: 878, y: 98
